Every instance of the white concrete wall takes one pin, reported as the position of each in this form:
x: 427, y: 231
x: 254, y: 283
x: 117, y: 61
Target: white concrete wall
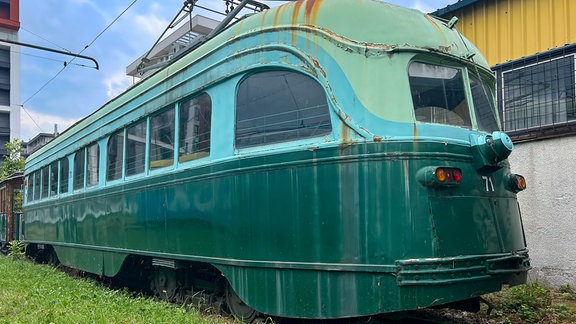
x: 548, y: 207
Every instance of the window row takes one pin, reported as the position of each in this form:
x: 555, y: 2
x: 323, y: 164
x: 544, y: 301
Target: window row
x: 271, y: 107
x: 126, y: 150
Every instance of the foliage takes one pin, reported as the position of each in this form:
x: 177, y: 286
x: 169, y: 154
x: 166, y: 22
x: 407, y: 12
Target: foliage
x: 33, y: 293
x: 13, y: 161
x: 16, y: 250
x: 535, y: 303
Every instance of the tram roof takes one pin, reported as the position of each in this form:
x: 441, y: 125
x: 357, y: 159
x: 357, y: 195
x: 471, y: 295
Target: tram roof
x: 385, y: 27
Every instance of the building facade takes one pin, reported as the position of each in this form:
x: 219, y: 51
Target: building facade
x: 531, y: 46
x: 9, y: 73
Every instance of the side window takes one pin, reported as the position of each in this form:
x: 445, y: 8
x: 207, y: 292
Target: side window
x: 37, y: 185
x: 45, y: 177
x: 92, y: 162
x: 195, y: 121
x: 79, y: 169
x: 30, y: 187
x: 64, y: 174
x: 162, y: 139
x: 136, y: 148
x: 54, y: 178
x: 279, y: 106
x: 115, y: 156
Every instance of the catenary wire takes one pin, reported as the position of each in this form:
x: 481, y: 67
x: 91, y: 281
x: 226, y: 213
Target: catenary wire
x: 85, y: 47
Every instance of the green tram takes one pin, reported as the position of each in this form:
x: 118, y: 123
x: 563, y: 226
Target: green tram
x: 299, y: 163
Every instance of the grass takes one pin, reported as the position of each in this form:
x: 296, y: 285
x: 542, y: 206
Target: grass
x: 534, y: 303
x: 32, y: 293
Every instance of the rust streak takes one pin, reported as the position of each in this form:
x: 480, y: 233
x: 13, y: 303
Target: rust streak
x: 311, y: 13
x: 276, y: 14
x: 415, y: 131
x: 295, y: 14
x: 433, y: 22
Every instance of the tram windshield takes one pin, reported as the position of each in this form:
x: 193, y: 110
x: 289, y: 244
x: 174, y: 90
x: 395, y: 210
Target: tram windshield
x: 439, y: 96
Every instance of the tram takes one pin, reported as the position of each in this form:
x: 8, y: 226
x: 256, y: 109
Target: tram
x: 296, y: 163
x: 10, y: 210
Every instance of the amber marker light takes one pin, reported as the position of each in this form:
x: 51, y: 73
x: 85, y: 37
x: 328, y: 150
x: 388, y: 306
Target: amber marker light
x: 516, y: 183
x: 439, y: 176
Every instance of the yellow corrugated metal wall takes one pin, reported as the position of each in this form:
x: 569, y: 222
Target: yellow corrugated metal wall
x: 505, y: 30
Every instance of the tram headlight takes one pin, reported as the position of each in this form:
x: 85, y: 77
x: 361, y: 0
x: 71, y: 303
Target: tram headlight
x: 489, y: 150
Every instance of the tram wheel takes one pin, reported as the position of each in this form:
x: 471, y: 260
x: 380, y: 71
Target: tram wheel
x: 165, y: 284
x: 51, y: 257
x: 238, y: 308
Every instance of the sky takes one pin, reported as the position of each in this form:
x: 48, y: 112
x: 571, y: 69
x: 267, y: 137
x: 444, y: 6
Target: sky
x: 53, y: 94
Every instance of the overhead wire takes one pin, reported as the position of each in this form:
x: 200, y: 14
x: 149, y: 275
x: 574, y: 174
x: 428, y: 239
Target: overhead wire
x: 85, y: 47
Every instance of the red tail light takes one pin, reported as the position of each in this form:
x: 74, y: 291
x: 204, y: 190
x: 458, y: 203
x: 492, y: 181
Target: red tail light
x: 439, y: 176
x: 448, y: 175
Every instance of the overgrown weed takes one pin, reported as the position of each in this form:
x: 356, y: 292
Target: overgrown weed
x: 534, y: 303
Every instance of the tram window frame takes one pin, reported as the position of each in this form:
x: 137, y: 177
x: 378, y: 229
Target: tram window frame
x: 92, y: 165
x: 135, y: 158
x: 64, y: 175
x: 53, y: 178
x: 36, y: 195
x: 30, y: 187
x: 115, y: 156
x: 195, y: 115
x: 79, y: 174
x: 162, y: 139
x: 280, y: 106
x: 451, y: 106
x: 45, y: 176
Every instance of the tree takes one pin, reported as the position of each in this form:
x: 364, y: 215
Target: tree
x: 13, y: 160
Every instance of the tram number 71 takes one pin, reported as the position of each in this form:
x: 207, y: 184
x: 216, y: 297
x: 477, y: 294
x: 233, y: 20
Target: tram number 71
x: 489, y: 184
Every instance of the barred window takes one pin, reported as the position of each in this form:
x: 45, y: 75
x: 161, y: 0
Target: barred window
x: 45, y: 177
x: 37, y: 185
x: 136, y: 148
x: 538, y: 92
x: 78, y: 182
x: 280, y: 106
x: 195, y: 117
x: 92, y: 163
x: 64, y: 175
x: 115, y: 156
x: 162, y: 139
x: 30, y: 187
x: 54, y: 178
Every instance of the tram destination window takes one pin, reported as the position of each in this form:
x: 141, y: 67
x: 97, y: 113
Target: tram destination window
x: 194, y: 138
x: 92, y: 162
x: 438, y: 94
x: 136, y: 148
x: 64, y: 175
x: 78, y: 180
x: 162, y: 139
x: 115, y: 154
x: 280, y: 106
